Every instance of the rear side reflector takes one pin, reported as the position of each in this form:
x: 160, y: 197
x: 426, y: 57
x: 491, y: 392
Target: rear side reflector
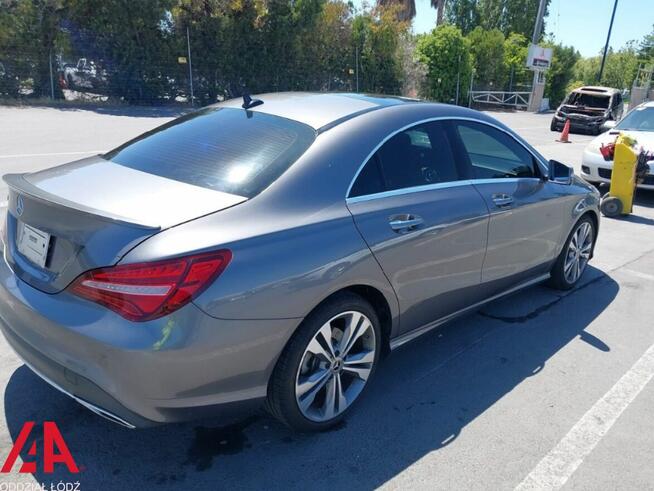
x: 145, y: 291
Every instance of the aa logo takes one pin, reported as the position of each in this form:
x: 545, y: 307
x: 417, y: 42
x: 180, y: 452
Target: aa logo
x: 55, y: 450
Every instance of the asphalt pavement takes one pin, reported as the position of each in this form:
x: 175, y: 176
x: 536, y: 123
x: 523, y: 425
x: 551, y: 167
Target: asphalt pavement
x: 541, y: 390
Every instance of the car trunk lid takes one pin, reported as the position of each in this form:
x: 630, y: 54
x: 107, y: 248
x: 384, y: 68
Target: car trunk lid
x: 89, y: 214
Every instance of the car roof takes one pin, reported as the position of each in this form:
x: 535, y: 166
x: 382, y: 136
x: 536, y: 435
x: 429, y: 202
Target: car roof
x: 591, y: 89
x: 320, y: 110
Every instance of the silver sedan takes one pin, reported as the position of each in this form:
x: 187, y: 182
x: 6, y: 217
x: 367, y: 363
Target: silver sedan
x: 273, y: 250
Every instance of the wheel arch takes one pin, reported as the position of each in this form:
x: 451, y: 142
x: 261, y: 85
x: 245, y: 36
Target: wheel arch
x: 376, y: 299
x: 596, y: 222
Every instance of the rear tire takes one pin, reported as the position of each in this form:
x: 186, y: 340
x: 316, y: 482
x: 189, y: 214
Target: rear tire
x: 327, y: 364
x: 571, y: 263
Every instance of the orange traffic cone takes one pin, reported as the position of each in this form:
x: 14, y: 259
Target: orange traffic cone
x: 565, y: 132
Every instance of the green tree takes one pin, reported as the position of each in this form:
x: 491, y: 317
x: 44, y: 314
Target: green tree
x: 406, y: 9
x: 30, y: 36
x: 446, y: 54
x: 520, y: 16
x: 134, y: 42
x: 621, y: 67
x: 464, y: 14
x: 561, y: 73
x: 619, y: 70
x: 515, y: 57
x: 376, y: 36
x: 487, y: 49
x: 506, y: 15
x: 646, y: 48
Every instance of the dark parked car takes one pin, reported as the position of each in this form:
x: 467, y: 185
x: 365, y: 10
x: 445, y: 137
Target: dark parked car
x: 275, y: 252
x: 588, y: 109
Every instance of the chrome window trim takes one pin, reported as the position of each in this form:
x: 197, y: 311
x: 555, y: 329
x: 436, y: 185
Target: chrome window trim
x: 411, y: 190
x: 502, y: 179
x: 540, y: 163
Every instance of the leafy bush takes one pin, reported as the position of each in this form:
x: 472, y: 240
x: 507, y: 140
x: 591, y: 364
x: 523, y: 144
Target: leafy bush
x: 446, y: 54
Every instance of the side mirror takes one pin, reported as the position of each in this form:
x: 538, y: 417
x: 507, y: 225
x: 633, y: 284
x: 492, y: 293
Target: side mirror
x: 560, y: 173
x: 608, y: 125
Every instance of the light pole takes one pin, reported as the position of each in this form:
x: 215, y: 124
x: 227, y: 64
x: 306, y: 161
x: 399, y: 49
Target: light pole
x: 606, y: 46
x: 536, y: 91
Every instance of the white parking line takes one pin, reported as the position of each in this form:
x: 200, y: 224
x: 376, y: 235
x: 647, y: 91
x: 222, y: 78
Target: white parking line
x: 21, y: 155
x: 557, y: 466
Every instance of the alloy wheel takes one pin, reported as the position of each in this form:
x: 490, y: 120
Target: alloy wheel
x: 335, y: 366
x: 578, y: 254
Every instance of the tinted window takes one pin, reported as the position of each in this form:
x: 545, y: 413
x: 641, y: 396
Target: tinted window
x: 231, y: 150
x: 369, y: 180
x: 418, y: 156
x: 494, y: 154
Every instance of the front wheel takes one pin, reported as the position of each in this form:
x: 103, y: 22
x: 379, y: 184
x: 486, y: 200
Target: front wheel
x: 327, y: 364
x: 553, y: 125
x: 572, y: 262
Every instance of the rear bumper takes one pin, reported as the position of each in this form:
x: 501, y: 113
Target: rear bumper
x: 182, y: 367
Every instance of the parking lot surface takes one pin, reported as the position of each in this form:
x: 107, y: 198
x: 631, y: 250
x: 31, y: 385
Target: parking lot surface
x: 543, y: 389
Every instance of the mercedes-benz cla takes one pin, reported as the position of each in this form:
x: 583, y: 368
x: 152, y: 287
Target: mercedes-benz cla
x: 274, y: 250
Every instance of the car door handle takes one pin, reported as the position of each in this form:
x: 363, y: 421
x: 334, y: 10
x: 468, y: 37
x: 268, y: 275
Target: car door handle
x: 502, y: 200
x: 404, y: 223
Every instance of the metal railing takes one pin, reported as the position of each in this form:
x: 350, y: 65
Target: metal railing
x: 500, y: 98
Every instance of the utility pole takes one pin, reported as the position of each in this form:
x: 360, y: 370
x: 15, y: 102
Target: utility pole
x: 190, y: 64
x: 536, y: 88
x: 539, y: 22
x: 606, y: 46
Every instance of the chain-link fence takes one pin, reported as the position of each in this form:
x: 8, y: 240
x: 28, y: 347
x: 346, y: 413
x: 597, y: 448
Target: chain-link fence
x: 186, y: 52
x: 189, y: 65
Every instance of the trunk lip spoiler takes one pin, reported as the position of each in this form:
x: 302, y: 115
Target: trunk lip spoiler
x: 18, y: 183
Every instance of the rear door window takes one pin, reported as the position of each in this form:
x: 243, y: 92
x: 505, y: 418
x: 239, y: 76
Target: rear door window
x: 225, y: 149
x: 418, y: 156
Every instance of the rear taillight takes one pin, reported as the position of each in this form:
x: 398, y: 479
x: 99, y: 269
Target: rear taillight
x: 145, y: 291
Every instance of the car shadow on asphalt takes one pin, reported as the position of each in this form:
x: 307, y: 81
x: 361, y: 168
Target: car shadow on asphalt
x: 423, y: 397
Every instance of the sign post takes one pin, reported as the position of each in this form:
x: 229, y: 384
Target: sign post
x: 539, y: 59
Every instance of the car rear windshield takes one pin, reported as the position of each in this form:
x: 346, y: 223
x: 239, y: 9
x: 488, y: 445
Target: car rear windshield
x: 588, y: 100
x: 640, y: 119
x: 226, y: 149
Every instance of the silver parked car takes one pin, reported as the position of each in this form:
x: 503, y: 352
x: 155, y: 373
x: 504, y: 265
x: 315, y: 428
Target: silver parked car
x: 274, y: 250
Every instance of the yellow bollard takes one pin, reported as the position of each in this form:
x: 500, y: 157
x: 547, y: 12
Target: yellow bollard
x: 619, y: 200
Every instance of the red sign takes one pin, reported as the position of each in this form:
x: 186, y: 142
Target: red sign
x: 55, y: 450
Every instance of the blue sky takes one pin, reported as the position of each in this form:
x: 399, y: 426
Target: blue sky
x: 580, y: 23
